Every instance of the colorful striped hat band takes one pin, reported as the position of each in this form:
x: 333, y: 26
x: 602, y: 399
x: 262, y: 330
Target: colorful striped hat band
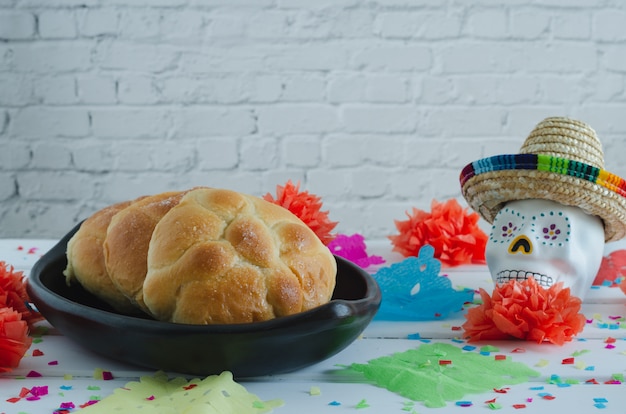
x: 561, y: 160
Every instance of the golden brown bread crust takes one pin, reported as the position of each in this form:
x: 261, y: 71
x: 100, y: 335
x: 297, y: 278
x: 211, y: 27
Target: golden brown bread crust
x: 224, y: 257
x: 85, y: 258
x: 127, y: 240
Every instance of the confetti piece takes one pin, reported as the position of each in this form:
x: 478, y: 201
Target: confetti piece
x: 580, y: 365
x: 39, y: 391
x: 567, y: 361
x: 538, y: 388
x: 489, y: 348
x: 542, y: 363
x: 600, y: 400
x: 37, y: 353
x: 609, y: 346
x: 519, y: 406
x: 68, y: 377
x: 464, y: 403
x: 469, y: 348
x: 591, y: 381
x: 33, y: 374
x: 500, y: 357
x: 494, y: 406
x: 501, y: 390
x: 66, y: 387
x: 67, y: 405
x: 579, y: 353
x: 445, y: 362
x: 414, y: 336
x: 315, y: 391
x: 107, y: 375
x: 518, y: 350
x: 334, y: 403
x: 362, y: 404
x: 55, y: 362
x: 599, y: 405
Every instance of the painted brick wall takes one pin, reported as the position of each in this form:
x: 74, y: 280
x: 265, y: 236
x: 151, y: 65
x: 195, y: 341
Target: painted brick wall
x: 375, y: 106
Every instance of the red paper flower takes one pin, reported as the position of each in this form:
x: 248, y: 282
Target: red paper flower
x: 14, y: 339
x: 307, y: 207
x: 13, y: 294
x: 525, y: 310
x: 452, y: 232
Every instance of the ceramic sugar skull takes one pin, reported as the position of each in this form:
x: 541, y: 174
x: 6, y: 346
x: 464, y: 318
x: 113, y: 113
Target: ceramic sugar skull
x: 552, y: 205
x: 547, y: 241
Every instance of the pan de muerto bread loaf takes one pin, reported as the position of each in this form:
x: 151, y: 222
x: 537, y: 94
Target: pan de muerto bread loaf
x: 85, y: 259
x: 127, y: 240
x: 220, y: 256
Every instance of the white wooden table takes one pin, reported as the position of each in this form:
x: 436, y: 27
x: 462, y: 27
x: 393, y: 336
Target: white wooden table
x: 67, y: 369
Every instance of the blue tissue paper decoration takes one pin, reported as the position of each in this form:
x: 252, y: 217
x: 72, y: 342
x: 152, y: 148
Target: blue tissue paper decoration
x: 412, y: 290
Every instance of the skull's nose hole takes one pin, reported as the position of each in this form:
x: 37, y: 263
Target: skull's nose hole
x: 521, y: 244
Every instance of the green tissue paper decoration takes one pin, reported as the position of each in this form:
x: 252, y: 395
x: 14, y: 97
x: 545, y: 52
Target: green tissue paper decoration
x: 438, y: 372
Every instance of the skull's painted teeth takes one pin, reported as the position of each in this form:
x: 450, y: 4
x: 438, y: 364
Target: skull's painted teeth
x: 521, y: 275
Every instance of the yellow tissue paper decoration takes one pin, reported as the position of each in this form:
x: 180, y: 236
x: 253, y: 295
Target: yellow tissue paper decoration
x: 216, y: 394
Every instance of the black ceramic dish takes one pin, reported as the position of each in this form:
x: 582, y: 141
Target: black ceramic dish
x: 253, y: 349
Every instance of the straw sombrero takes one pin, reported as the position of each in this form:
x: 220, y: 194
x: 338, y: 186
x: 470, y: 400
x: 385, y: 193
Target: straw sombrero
x: 561, y: 160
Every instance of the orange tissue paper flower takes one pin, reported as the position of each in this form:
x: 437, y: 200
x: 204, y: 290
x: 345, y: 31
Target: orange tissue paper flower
x: 305, y: 206
x: 453, y: 233
x: 13, y: 294
x: 14, y: 339
x: 525, y: 310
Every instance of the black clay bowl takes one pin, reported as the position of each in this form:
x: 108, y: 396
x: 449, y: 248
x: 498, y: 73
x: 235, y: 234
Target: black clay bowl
x: 252, y: 349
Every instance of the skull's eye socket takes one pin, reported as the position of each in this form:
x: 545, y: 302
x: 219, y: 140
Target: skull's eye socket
x: 551, y: 228
x: 507, y: 224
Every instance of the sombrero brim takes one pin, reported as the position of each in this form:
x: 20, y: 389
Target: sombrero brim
x: 489, y: 183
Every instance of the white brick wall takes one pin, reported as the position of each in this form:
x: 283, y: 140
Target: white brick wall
x: 375, y: 106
